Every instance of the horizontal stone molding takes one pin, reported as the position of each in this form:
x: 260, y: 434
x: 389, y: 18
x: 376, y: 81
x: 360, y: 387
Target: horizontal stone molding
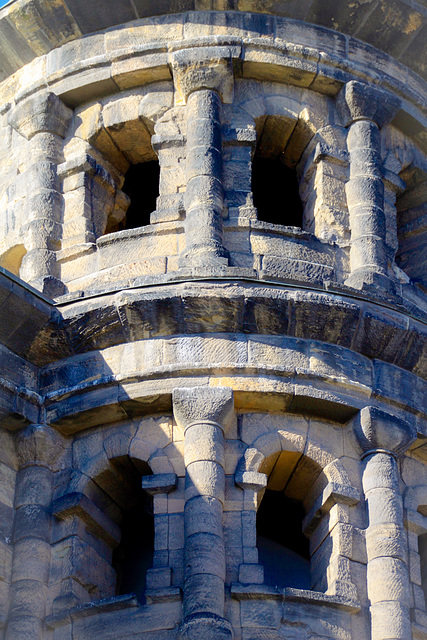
x: 68, y: 21
x: 301, y: 596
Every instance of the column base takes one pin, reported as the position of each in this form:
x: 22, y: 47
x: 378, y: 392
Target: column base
x: 367, y: 280
x: 203, y: 256
x: 205, y: 626
x: 49, y: 285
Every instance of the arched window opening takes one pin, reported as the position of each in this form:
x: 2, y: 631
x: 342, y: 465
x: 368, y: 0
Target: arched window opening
x: 141, y: 185
x: 134, y: 554
x: 422, y: 550
x: 282, y: 547
x: 275, y: 192
x: 295, y: 482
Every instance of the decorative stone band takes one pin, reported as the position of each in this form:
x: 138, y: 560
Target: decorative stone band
x: 207, y: 422
x: 204, y: 413
x: 370, y: 452
x: 383, y: 437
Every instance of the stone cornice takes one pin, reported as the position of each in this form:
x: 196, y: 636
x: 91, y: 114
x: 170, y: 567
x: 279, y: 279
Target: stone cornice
x: 99, y: 65
x: 28, y: 32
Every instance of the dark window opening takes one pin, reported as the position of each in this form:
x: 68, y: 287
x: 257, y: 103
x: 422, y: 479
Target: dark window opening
x: 134, y: 555
x: 422, y: 550
x: 275, y: 192
x: 282, y: 547
x: 141, y: 185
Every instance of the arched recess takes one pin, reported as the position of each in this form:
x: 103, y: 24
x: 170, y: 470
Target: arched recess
x: 314, y: 482
x: 286, y: 120
x: 101, y: 545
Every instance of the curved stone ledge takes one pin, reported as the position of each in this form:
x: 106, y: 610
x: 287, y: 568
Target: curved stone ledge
x: 370, y: 329
x: 269, y: 373
x: 302, y: 596
x: 283, y: 252
x: 398, y: 30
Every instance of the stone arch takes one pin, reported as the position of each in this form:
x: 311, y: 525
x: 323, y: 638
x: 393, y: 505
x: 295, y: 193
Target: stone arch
x: 114, y: 474
x: 105, y: 139
x: 329, y: 484
x: 286, y: 118
x: 273, y: 442
x: 287, y: 121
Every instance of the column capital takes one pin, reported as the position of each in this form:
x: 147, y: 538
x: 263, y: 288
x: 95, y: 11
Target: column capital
x: 39, y: 445
x: 359, y: 101
x: 43, y: 112
x: 203, y: 68
x: 377, y: 430
x: 196, y: 405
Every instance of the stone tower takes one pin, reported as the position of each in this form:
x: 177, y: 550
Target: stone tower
x: 213, y: 308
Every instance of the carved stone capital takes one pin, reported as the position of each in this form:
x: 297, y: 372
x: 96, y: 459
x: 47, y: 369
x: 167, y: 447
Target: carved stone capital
x: 195, y: 405
x: 40, y: 445
x: 377, y: 430
x: 360, y: 101
x: 203, y: 68
x: 43, y: 112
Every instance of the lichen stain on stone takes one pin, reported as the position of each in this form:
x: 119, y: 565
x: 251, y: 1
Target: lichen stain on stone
x: 395, y: 18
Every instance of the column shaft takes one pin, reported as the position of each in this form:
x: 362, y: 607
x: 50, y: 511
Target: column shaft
x: 387, y: 571
x: 204, y: 496
x: 204, y: 413
x: 365, y: 196
x: 364, y: 110
x: 204, y: 199
x: 43, y: 120
x: 44, y: 207
x: 31, y: 554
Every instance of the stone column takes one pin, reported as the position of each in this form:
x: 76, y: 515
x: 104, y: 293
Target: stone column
x: 38, y: 448
x: 203, y: 80
x: 383, y: 439
x: 364, y: 110
x: 43, y: 120
x: 204, y: 413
